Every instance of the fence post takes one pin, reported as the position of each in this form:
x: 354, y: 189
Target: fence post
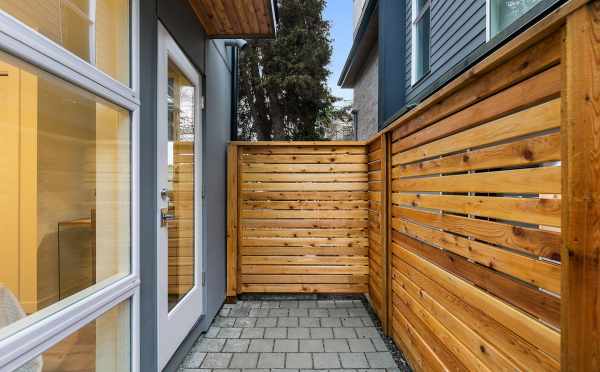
x: 232, y: 221
x: 386, y: 142
x: 581, y: 191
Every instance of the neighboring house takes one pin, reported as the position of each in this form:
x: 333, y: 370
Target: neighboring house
x: 365, y: 76
x: 394, y: 65
x: 341, y: 127
x: 340, y: 130
x: 116, y: 115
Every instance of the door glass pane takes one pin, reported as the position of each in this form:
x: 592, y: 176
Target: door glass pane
x: 96, y: 31
x: 181, y: 127
x: 65, y: 183
x: 102, y: 345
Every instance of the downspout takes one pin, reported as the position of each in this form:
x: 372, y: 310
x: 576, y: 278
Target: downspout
x: 235, y: 45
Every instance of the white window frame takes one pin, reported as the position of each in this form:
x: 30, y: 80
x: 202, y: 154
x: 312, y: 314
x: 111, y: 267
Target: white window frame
x: 488, y: 20
x: 49, y: 326
x: 413, y: 42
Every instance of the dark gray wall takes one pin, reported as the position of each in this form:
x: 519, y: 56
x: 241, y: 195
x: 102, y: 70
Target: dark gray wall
x: 179, y: 18
x: 457, y: 29
x: 391, y: 90
x: 217, y: 131
x: 148, y: 185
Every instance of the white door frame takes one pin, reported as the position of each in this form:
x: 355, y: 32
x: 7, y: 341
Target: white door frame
x: 173, y: 326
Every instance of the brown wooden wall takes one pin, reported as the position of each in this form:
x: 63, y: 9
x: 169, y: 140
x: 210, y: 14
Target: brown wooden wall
x: 302, y: 218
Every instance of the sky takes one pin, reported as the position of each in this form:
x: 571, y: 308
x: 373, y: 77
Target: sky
x: 339, y: 13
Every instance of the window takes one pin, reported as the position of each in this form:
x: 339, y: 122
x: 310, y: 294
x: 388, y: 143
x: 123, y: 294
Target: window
x: 101, y: 345
x: 69, y: 111
x: 421, y: 30
x: 65, y: 190
x: 502, y: 13
x: 96, y: 31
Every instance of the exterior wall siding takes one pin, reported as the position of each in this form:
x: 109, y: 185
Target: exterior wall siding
x: 457, y: 29
x: 217, y: 134
x: 366, y: 98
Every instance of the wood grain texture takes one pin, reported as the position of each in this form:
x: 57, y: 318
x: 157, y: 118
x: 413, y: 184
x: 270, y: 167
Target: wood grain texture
x: 232, y: 220
x: 377, y: 156
x: 581, y: 183
x: 304, y: 213
x: 239, y: 18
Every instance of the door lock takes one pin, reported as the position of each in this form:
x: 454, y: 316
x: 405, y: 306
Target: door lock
x: 165, y: 217
x: 164, y: 194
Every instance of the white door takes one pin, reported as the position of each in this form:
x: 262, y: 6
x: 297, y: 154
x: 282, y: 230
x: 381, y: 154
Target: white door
x: 179, y: 197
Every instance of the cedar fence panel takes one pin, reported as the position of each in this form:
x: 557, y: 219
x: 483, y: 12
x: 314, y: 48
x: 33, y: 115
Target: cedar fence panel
x: 303, y: 217
x: 476, y: 216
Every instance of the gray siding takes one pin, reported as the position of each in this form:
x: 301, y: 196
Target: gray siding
x: 216, y: 128
x: 457, y: 28
x: 366, y: 95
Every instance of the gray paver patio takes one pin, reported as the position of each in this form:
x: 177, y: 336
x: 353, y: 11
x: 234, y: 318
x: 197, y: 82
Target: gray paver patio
x: 291, y: 336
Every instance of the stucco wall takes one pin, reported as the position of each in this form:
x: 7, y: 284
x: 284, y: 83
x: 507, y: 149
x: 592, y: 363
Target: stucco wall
x: 365, y: 97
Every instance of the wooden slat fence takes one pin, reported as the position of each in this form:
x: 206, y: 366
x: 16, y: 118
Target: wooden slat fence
x: 472, y: 221
x: 302, y: 218
x: 476, y: 225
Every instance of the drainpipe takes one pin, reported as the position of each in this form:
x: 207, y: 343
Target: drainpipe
x: 235, y: 45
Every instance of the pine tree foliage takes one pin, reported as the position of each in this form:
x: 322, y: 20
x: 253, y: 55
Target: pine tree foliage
x: 283, y: 82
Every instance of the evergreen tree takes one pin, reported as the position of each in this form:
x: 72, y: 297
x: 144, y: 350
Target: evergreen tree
x: 283, y: 82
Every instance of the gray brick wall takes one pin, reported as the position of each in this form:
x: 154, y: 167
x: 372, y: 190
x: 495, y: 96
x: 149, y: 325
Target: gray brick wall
x: 365, y: 97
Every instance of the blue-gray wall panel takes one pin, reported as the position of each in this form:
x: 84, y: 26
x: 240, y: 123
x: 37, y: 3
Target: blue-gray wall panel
x: 147, y: 201
x: 457, y: 29
x: 217, y: 133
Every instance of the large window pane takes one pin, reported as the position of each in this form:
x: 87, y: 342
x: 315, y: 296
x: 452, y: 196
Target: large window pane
x: 102, y: 345
x: 505, y: 12
x: 422, y: 34
x: 423, y: 37
x: 96, y: 31
x: 65, y: 181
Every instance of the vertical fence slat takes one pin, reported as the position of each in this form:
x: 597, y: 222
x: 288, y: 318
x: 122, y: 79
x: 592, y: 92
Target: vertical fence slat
x: 581, y: 190
x: 232, y: 220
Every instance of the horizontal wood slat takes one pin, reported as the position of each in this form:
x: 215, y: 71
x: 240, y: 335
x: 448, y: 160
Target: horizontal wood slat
x: 530, y: 210
x: 519, y: 181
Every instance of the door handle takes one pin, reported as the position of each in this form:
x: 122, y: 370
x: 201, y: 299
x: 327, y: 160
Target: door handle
x: 165, y: 217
